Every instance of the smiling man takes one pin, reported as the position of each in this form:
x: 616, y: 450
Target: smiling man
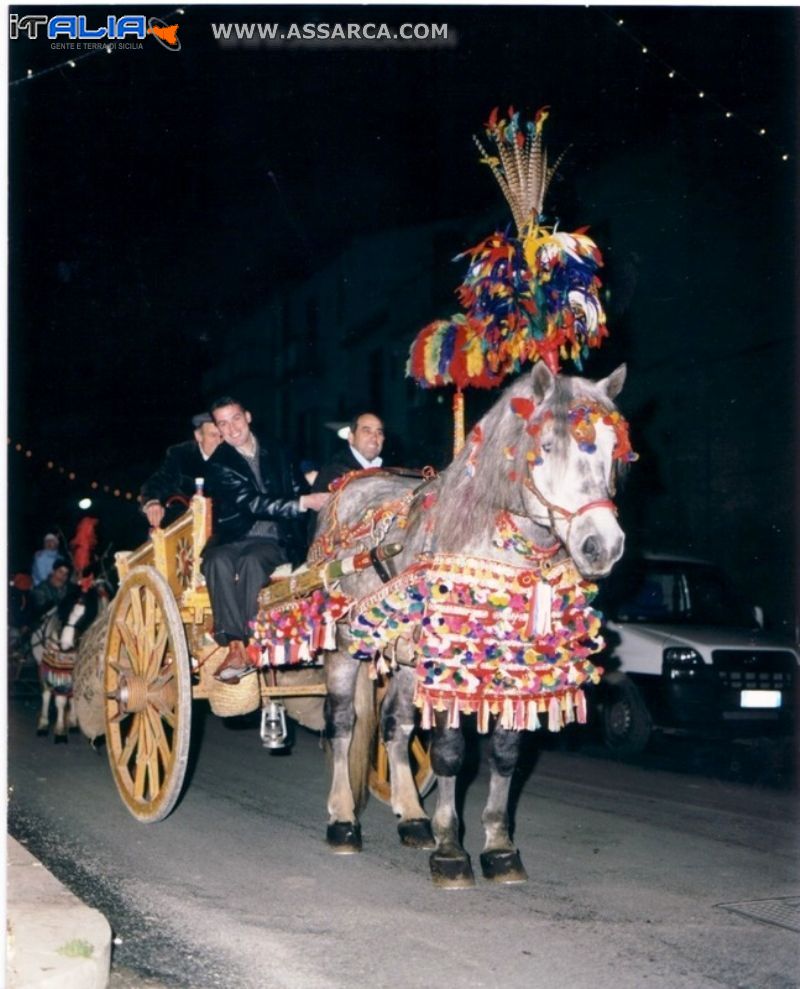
x: 259, y: 497
x: 365, y: 443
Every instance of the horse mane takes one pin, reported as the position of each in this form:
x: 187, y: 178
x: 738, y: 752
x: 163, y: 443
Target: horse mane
x: 486, y: 476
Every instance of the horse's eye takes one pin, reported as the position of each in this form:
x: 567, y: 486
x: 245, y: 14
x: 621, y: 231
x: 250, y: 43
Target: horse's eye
x: 547, y: 446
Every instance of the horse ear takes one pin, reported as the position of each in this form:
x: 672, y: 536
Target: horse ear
x: 542, y: 380
x: 612, y: 385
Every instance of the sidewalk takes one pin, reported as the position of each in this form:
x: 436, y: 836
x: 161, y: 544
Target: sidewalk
x: 53, y: 941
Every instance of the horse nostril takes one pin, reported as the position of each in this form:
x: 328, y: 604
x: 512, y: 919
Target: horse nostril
x: 591, y: 548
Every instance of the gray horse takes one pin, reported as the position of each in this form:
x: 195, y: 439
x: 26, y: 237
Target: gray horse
x: 518, y: 521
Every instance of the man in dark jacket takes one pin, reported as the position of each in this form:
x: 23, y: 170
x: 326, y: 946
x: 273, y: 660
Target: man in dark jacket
x: 364, y: 445
x: 183, y: 463
x: 52, y: 591
x: 260, y: 499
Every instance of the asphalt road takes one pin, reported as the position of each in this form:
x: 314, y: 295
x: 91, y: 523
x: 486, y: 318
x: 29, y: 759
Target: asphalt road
x: 639, y: 876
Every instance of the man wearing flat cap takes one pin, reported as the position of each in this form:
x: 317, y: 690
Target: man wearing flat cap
x: 182, y: 464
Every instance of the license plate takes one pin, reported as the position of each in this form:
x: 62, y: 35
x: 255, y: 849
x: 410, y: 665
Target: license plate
x: 760, y: 698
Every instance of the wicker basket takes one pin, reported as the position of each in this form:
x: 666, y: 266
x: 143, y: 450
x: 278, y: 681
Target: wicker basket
x: 229, y: 700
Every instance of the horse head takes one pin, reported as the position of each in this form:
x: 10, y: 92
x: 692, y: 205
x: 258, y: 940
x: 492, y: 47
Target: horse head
x: 548, y: 451
x: 577, y: 442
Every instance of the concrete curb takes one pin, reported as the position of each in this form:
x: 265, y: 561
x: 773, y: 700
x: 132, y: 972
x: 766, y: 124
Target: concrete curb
x: 53, y: 940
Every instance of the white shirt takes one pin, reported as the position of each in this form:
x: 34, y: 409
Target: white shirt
x: 375, y: 462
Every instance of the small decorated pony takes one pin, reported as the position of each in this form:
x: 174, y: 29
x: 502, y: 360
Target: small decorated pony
x: 55, y: 648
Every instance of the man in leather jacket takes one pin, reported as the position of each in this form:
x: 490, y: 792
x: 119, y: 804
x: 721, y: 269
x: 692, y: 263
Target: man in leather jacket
x: 260, y: 499
x: 183, y: 463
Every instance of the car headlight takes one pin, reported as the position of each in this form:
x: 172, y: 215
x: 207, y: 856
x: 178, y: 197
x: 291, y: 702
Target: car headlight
x: 682, y: 663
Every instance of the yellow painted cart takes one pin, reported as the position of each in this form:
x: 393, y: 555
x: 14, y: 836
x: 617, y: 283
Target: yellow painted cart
x: 160, y: 656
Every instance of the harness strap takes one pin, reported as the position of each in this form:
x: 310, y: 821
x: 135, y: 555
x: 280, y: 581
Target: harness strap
x: 553, y: 510
x: 378, y: 566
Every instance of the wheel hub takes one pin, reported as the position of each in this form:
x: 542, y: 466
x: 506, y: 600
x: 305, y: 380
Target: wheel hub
x: 135, y: 692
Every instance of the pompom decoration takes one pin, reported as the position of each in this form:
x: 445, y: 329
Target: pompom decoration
x: 492, y: 639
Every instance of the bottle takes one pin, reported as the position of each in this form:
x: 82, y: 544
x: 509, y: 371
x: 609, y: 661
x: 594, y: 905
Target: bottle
x: 198, y: 486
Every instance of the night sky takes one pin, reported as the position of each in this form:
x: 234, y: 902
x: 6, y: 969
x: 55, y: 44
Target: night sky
x: 157, y: 198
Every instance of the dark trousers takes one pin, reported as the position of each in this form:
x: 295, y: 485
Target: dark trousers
x: 235, y: 573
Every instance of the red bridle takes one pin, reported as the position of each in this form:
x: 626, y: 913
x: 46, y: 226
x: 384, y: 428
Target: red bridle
x: 568, y: 516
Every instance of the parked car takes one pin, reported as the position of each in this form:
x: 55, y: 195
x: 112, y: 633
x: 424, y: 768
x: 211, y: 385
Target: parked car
x: 683, y: 652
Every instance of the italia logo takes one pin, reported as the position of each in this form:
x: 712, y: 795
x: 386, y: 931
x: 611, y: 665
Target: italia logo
x: 75, y: 27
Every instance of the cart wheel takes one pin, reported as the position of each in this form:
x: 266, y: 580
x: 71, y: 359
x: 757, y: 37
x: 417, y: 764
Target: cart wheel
x: 380, y: 785
x: 148, y: 695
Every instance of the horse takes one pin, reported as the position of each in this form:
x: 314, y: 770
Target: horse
x: 54, y: 645
x: 485, y: 611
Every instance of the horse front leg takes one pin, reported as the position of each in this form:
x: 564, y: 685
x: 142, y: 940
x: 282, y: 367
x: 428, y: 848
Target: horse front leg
x: 60, y: 730
x: 449, y: 863
x: 500, y: 861
x: 397, y: 727
x: 344, y: 831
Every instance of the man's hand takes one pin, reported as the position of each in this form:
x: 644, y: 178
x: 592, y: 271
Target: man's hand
x: 154, y: 512
x: 314, y: 501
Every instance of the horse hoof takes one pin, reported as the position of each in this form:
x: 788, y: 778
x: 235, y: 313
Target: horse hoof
x: 41, y: 732
x: 451, y: 871
x: 60, y: 739
x: 416, y: 833
x: 344, y: 837
x: 503, y: 866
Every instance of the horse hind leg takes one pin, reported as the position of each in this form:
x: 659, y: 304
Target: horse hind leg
x: 397, y: 727
x: 500, y: 860
x: 344, y: 831
x: 43, y: 724
x: 449, y: 863
x: 72, y: 715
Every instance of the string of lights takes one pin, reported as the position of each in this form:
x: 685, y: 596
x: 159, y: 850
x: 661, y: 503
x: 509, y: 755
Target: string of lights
x: 70, y: 475
x: 72, y: 62
x: 701, y: 92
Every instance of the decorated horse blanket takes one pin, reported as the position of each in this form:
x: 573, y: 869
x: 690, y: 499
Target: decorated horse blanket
x: 489, y: 639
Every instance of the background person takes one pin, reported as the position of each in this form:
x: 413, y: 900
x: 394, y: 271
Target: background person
x: 44, y: 559
x: 52, y: 591
x: 182, y: 464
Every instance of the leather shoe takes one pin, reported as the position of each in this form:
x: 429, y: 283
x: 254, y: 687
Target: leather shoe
x: 235, y: 665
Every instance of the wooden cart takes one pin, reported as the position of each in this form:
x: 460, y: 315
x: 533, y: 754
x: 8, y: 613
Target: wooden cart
x: 160, y: 656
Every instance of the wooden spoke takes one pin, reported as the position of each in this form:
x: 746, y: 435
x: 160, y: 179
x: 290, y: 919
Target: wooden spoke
x: 150, y: 610
x: 419, y: 751
x: 129, y: 640
x: 131, y: 742
x: 162, y: 745
x: 148, y: 690
x: 380, y: 784
x: 157, y: 653
x: 135, y: 612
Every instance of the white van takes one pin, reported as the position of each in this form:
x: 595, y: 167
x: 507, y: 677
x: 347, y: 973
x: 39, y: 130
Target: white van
x: 682, y: 652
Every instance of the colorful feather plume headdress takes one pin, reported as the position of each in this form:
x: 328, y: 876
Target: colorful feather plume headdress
x: 525, y: 298
x: 520, y: 165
